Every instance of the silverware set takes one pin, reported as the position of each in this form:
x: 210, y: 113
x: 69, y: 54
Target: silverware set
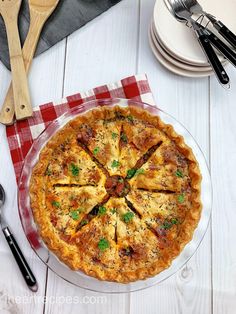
x: 183, y: 11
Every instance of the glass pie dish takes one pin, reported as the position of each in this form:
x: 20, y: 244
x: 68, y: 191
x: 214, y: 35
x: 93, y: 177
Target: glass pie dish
x: 79, y: 278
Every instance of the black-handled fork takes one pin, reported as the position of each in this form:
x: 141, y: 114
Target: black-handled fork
x: 223, y: 30
x: 21, y: 261
x: 211, y: 56
x: 195, y: 8
x: 227, y: 52
x: 16, y: 251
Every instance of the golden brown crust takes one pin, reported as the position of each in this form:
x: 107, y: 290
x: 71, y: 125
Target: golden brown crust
x: 130, y: 216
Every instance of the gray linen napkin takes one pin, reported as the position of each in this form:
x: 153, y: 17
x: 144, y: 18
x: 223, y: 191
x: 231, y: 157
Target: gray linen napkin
x: 69, y: 16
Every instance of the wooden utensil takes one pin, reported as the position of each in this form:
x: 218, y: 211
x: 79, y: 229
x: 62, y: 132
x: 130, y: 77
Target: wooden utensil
x: 9, y: 10
x: 40, y: 10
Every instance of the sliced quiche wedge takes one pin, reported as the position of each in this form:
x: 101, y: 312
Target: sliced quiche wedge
x: 73, y: 166
x: 96, y: 241
x: 69, y: 205
x: 165, y: 170
x: 135, y: 242
x: 101, y: 140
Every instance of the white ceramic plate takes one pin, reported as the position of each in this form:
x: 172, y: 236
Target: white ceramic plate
x: 171, y: 59
x: 179, y: 40
x: 159, y: 54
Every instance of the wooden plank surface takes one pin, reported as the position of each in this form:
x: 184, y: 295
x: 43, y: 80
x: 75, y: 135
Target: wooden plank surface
x: 223, y: 157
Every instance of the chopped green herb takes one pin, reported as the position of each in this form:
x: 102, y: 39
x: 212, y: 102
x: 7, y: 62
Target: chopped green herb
x: 84, y: 222
x: 96, y: 150
x: 127, y: 251
x: 102, y: 210
x: 123, y: 137
x: 72, y: 197
x: 130, y: 173
x: 174, y: 221
x: 168, y: 224
x: 120, y: 180
x: 139, y: 171
x: 130, y: 118
x: 181, y: 198
x: 56, y: 204
x: 115, y: 164
x: 114, y: 135
x: 74, y: 215
x: 127, y: 217
x: 113, y: 210
x: 103, y: 244
x: 74, y: 170
x: 179, y: 174
x: 48, y: 172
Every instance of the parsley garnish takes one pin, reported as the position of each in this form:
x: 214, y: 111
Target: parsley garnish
x: 113, y: 210
x: 181, y: 198
x: 56, y: 204
x: 168, y: 224
x: 115, y: 164
x: 74, y: 170
x: 102, y: 210
x: 174, y: 221
x: 130, y: 173
x: 179, y: 174
x: 130, y: 118
x: 114, y: 135
x: 139, y: 171
x: 127, y: 251
x: 74, y: 215
x: 127, y: 217
x: 123, y: 137
x: 84, y: 222
x: 103, y: 244
x: 96, y: 150
x: 48, y: 172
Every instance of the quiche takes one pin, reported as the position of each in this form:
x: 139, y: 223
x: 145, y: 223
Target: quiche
x: 116, y: 194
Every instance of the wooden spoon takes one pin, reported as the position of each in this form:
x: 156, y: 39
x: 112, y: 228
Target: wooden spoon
x: 40, y: 10
x: 9, y: 10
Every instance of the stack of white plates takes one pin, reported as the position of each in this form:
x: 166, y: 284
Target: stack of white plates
x: 175, y: 45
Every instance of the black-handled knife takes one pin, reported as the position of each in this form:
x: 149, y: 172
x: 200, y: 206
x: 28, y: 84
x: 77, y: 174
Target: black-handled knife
x: 212, y: 57
x: 223, y: 48
x: 20, y: 259
x: 220, y: 45
x: 223, y: 30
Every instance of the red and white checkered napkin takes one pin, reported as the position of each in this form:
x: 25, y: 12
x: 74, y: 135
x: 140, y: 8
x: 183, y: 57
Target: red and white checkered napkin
x: 21, y: 134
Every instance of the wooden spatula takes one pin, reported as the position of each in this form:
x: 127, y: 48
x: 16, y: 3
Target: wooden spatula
x: 40, y: 10
x: 9, y: 10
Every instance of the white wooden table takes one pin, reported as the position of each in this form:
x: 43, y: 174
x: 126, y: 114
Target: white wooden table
x: 109, y: 48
